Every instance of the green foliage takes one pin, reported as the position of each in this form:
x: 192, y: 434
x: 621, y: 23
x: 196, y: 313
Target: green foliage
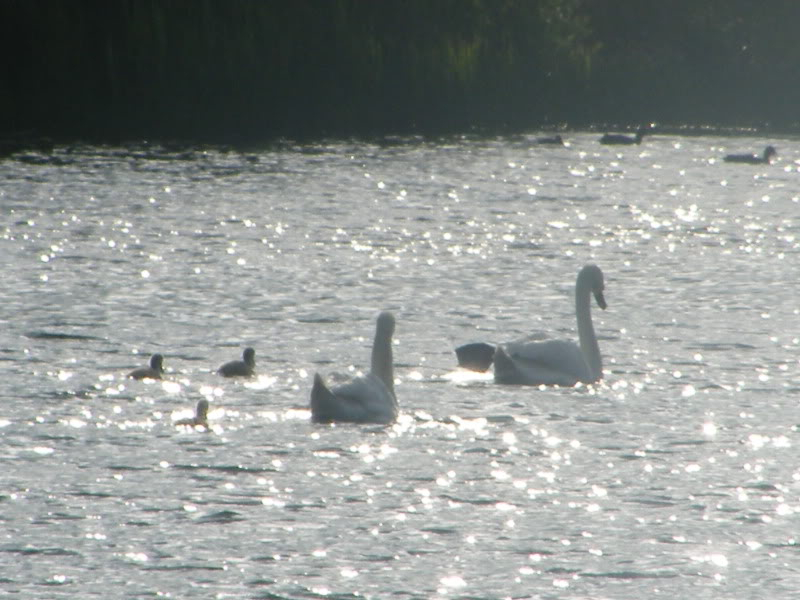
x: 238, y: 69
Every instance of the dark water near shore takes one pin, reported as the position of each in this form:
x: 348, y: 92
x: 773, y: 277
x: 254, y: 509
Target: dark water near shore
x: 676, y: 476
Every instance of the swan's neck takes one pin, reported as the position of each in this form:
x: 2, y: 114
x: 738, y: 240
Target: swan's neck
x: 382, y: 359
x: 586, y: 336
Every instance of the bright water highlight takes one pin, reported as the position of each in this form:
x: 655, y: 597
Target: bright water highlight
x: 676, y: 476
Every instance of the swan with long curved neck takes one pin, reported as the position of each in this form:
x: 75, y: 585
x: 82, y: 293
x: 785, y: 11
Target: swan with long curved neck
x: 367, y: 399
x: 553, y: 362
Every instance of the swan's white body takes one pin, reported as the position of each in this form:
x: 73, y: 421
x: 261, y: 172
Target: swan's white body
x: 558, y: 362
x: 367, y: 399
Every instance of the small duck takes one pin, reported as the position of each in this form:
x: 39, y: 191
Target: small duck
x: 200, y: 418
x: 617, y: 139
x: 550, y: 141
x: 753, y: 159
x: 240, y: 368
x: 154, y: 371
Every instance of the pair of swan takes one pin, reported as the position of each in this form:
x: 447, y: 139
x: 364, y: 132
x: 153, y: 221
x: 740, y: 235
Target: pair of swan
x: 235, y: 368
x: 371, y: 398
x: 552, y: 362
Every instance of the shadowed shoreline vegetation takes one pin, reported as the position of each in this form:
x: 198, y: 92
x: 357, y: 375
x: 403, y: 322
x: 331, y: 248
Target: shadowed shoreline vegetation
x: 247, y: 70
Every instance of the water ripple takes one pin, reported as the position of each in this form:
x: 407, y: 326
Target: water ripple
x: 675, y: 473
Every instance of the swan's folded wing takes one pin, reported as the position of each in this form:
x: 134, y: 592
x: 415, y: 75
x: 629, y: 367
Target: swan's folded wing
x: 551, y: 352
x: 554, y: 362
x: 362, y: 400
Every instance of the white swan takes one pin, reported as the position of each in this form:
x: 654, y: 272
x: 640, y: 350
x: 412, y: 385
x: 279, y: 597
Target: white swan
x: 367, y: 399
x: 553, y: 362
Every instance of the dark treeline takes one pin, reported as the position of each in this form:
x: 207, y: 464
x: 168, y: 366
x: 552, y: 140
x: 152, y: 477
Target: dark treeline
x: 228, y: 70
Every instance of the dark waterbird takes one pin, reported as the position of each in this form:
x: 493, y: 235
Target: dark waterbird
x: 240, y: 368
x: 200, y: 418
x: 753, y: 159
x: 154, y: 371
x: 477, y: 356
x: 555, y: 140
x: 618, y: 139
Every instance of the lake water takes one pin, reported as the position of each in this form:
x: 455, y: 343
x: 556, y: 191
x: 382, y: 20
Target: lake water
x: 677, y: 476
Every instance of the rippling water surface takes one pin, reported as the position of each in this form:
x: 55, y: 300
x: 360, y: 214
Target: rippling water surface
x: 676, y: 476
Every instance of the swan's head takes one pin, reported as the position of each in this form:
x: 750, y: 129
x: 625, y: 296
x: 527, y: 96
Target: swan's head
x: 385, y: 324
x: 202, y: 410
x: 249, y: 356
x: 157, y: 362
x: 592, y: 276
